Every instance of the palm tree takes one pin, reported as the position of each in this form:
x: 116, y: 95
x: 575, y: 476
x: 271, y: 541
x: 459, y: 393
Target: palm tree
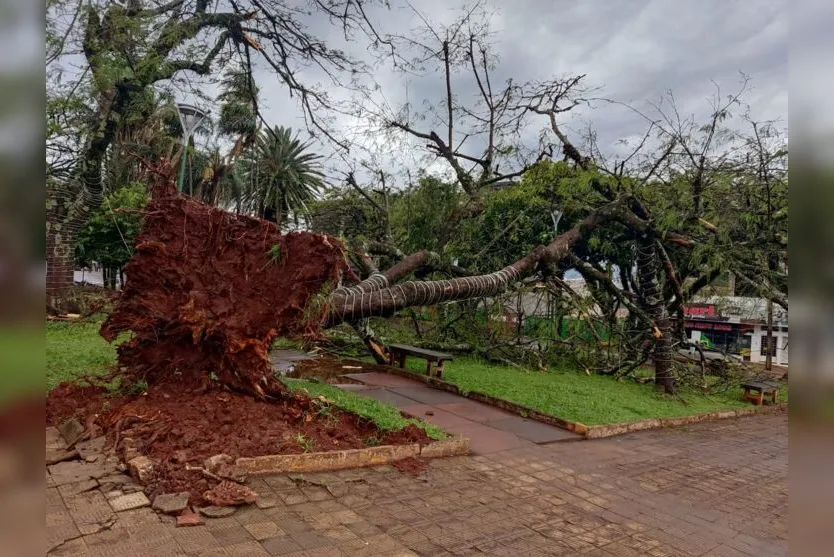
x: 279, y: 176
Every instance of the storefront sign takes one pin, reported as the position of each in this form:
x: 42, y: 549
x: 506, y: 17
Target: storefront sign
x: 700, y: 310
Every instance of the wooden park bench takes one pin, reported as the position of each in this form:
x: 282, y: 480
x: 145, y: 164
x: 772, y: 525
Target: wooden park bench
x: 399, y: 352
x: 755, y: 391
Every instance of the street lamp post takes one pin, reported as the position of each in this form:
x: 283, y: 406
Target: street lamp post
x: 190, y: 118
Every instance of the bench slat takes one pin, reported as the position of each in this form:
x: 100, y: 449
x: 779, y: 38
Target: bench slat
x: 760, y: 386
x: 420, y: 352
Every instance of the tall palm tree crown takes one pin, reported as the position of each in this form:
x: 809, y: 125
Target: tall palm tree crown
x: 280, y: 176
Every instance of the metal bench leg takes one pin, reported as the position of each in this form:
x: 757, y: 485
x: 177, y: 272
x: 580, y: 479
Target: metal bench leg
x: 761, y: 398
x: 439, y: 369
x: 428, y: 368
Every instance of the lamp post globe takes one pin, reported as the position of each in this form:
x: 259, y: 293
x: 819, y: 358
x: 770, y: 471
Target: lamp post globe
x: 190, y: 118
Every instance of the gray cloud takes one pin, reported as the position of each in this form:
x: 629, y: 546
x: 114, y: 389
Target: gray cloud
x: 634, y: 50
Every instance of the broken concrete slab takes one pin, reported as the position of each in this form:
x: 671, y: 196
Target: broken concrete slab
x: 217, y: 512
x: 266, y: 502
x: 54, y: 456
x: 228, y: 493
x: 171, y: 503
x: 114, y: 481
x: 213, y: 463
x: 129, y: 501
x: 71, y: 431
x: 190, y: 519
x: 70, y: 489
x: 54, y: 441
x: 75, y: 471
x: 141, y: 468
x: 93, y: 447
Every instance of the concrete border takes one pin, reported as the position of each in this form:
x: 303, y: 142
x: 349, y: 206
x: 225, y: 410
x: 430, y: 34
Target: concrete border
x: 351, y: 458
x: 588, y: 432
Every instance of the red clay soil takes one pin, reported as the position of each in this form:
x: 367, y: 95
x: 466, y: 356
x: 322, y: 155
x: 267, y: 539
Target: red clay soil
x: 178, y: 429
x: 207, y: 292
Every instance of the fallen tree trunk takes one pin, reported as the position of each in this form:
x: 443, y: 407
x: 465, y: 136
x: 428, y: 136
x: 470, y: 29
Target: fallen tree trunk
x: 208, y: 291
x: 375, y: 297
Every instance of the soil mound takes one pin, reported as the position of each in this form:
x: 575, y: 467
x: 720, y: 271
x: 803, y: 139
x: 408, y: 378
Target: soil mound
x: 178, y: 431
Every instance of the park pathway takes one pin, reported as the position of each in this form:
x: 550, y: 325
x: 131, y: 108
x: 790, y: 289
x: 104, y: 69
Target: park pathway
x: 489, y: 429
x: 707, y: 490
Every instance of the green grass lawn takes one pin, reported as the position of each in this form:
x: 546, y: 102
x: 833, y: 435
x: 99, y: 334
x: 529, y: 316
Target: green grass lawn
x: 21, y: 362
x: 75, y: 349
x: 386, y: 417
x: 589, y: 399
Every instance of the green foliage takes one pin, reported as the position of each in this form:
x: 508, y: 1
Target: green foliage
x: 275, y: 253
x: 306, y: 444
x: 519, y: 218
x: 279, y: 176
x: 75, y: 350
x: 421, y: 212
x: 575, y: 396
x: 343, y: 213
x: 237, y: 103
x: 386, y: 417
x: 110, y: 234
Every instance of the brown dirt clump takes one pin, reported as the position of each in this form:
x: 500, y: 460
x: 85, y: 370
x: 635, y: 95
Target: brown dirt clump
x: 413, y: 466
x: 179, y: 429
x: 208, y: 291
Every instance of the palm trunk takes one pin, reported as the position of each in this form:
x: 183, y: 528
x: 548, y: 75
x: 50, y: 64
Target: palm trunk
x: 652, y: 296
x: 371, y: 298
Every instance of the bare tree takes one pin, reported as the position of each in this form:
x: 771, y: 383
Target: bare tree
x: 129, y: 47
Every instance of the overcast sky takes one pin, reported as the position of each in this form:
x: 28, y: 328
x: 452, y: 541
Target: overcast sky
x: 634, y: 50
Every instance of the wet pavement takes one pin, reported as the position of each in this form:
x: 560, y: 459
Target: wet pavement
x: 707, y: 490
x: 489, y: 429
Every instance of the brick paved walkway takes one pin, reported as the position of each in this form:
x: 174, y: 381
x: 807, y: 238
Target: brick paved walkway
x: 712, y: 489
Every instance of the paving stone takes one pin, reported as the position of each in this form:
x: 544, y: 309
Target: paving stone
x: 487, y: 440
x: 129, y: 501
x: 217, y: 512
x: 141, y: 468
x: 719, y: 488
x: 353, y: 387
x: 382, y: 379
x: 266, y: 501
x: 71, y: 431
x: 475, y: 411
x: 532, y: 430
x: 388, y: 397
x: 75, y: 471
x: 427, y: 395
x: 264, y: 530
x: 171, y: 503
x: 53, y: 439
x: 68, y: 490
x: 280, y: 545
x: 91, y: 447
x: 54, y: 456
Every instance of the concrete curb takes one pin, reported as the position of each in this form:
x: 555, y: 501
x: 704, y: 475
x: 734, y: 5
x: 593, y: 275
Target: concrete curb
x: 351, y: 458
x: 588, y: 432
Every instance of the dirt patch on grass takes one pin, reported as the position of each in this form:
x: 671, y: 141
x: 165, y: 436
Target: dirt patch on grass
x: 330, y: 370
x: 179, y: 429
